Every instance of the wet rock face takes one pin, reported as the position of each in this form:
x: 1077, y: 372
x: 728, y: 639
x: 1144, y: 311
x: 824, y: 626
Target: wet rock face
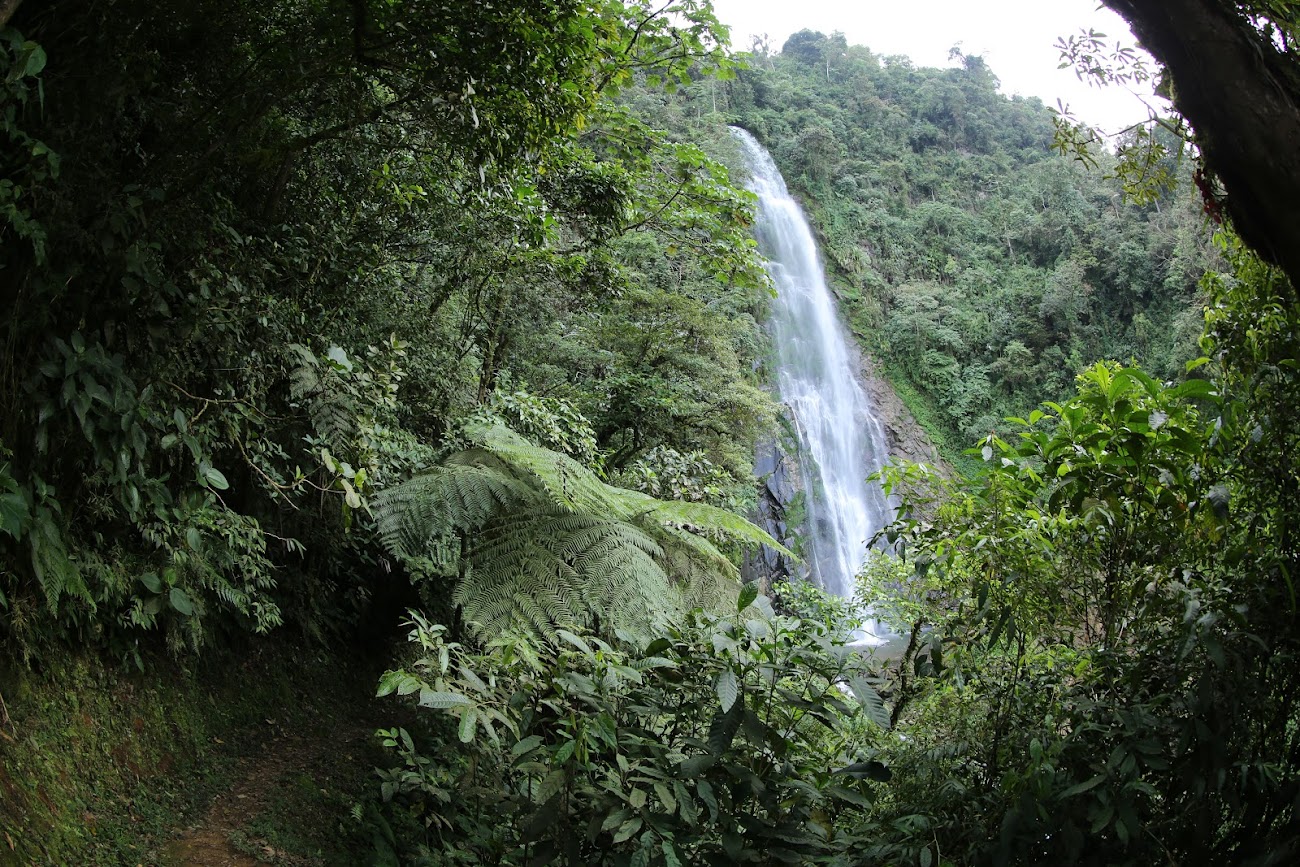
x: 779, y: 481
x: 841, y: 441
x: 777, y: 475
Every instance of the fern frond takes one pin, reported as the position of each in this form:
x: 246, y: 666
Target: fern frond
x: 304, y: 379
x: 55, y: 571
x: 699, y: 519
x: 553, y: 568
x: 528, y: 591
x: 704, y: 577
x: 552, y: 545
x: 568, y: 483
x: 331, y: 408
x: 685, y: 545
x: 414, y: 516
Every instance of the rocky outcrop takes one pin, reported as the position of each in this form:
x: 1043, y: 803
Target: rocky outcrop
x: 779, y: 480
x: 907, y: 439
x: 778, y: 485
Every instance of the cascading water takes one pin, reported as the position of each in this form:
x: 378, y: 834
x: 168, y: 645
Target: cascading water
x: 841, y: 440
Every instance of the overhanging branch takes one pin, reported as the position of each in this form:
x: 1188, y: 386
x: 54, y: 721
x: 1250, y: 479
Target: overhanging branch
x: 1242, y: 97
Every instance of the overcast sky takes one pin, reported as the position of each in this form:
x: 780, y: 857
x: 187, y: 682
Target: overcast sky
x: 1015, y: 37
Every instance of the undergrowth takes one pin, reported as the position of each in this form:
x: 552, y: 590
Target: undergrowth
x: 99, y: 765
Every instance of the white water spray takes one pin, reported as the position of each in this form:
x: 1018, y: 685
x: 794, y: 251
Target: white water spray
x: 841, y: 440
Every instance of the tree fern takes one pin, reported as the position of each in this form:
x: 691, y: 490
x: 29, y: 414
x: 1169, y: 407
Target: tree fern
x: 569, y: 567
x: 455, y: 498
x: 702, y: 520
x: 573, y: 485
x: 567, y: 482
x: 551, y: 545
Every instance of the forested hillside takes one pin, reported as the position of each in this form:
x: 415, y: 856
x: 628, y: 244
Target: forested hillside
x: 982, y: 266
x: 432, y: 331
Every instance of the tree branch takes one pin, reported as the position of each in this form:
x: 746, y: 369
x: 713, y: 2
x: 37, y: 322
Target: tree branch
x: 5, y: 719
x: 1242, y: 97
x: 7, y: 10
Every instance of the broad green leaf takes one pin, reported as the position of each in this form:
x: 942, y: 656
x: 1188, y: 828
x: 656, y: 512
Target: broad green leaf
x: 468, y: 723
x: 734, y: 845
x: 444, y: 700
x: 852, y: 797
x: 658, y: 646
x: 350, y: 496
x: 689, y: 812
x: 748, y: 594
x: 666, y: 798
x: 727, y: 688
x: 1194, y: 388
x: 705, y: 790
x: 628, y: 830
x: 575, y: 641
x: 13, y: 514
x: 871, y: 702
x: 214, y: 478
x: 1080, y: 788
x: 613, y: 820
x: 696, y: 765
x: 180, y: 601
x: 723, y: 728
x: 387, y: 683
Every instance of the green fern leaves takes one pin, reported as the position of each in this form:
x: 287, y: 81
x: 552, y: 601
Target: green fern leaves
x: 454, y: 499
x: 551, y: 568
x: 549, y: 545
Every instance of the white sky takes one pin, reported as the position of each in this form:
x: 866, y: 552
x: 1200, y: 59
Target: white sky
x: 1015, y: 37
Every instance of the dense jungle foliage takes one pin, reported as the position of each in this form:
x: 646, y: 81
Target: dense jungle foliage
x: 322, y: 312
x: 265, y: 261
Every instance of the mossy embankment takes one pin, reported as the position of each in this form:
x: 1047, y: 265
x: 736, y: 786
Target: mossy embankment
x: 265, y: 753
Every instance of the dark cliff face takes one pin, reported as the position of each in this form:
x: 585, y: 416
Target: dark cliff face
x: 907, y: 439
x: 778, y: 485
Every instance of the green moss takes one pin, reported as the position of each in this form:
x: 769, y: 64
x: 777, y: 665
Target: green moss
x: 311, y: 816
x: 82, y: 742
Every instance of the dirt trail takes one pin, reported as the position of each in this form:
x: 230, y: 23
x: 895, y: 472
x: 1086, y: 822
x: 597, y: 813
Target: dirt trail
x: 290, y: 803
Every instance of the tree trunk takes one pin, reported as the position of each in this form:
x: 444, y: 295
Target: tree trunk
x: 1242, y: 97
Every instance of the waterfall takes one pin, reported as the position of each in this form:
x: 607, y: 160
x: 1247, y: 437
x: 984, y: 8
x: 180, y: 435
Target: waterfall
x: 841, y: 440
